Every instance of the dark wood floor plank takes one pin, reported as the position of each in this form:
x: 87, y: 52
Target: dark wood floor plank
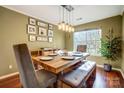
x: 111, y: 79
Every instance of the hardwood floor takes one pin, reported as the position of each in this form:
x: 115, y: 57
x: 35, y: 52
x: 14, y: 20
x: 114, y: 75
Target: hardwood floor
x: 103, y: 79
x: 111, y: 79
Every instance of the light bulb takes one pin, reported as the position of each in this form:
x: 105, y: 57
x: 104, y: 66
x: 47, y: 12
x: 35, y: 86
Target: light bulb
x: 63, y: 26
x: 70, y: 28
x: 67, y: 27
x: 59, y: 26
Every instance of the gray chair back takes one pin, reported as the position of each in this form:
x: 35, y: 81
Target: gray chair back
x: 25, y: 66
x: 81, y: 48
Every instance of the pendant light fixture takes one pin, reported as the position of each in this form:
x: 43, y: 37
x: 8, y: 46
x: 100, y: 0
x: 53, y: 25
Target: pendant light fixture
x: 65, y: 23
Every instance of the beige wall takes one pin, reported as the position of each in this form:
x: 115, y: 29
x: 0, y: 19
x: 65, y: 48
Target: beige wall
x: 13, y: 27
x: 105, y: 24
x: 13, y: 30
x: 123, y: 43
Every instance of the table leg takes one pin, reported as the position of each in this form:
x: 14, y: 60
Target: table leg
x: 56, y: 85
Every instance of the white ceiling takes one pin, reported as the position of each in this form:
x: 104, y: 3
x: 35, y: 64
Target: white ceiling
x: 51, y: 13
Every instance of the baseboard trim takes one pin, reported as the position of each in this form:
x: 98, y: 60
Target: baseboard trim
x: 9, y: 75
x: 117, y: 69
x: 122, y: 73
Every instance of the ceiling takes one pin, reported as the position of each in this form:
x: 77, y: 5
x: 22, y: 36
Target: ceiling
x: 81, y: 14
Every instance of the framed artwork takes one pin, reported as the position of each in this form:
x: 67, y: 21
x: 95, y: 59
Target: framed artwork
x: 42, y: 24
x: 31, y: 29
x: 42, y: 31
x: 50, y: 26
x: 42, y: 38
x: 32, y: 21
x: 50, y: 39
x: 32, y: 38
x: 50, y: 33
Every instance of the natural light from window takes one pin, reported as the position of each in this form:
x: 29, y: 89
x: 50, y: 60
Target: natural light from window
x: 90, y: 38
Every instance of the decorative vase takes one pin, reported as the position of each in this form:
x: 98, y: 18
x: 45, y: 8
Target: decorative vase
x: 107, y: 67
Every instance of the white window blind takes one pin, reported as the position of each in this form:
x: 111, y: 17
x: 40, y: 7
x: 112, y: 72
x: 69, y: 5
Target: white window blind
x: 91, y: 38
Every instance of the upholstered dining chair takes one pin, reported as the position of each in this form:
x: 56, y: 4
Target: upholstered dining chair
x: 28, y: 76
x: 81, y: 48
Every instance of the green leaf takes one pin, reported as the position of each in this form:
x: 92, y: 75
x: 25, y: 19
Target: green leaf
x: 111, y: 47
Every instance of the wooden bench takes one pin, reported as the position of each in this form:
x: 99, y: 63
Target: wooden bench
x: 83, y: 76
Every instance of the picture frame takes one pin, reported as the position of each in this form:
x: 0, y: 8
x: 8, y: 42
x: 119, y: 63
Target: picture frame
x: 42, y: 31
x: 39, y: 38
x: 32, y: 21
x: 50, y: 39
x: 50, y: 26
x: 50, y: 33
x: 31, y: 29
x: 42, y: 24
x: 32, y: 38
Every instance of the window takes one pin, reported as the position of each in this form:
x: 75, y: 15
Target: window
x: 90, y: 38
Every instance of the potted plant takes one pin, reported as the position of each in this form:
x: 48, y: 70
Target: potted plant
x: 110, y: 49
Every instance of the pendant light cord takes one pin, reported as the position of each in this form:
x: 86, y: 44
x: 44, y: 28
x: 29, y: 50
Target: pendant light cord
x: 63, y: 14
x: 67, y: 16
x: 59, y: 14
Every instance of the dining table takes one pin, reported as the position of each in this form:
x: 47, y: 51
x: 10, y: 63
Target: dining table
x: 58, y: 64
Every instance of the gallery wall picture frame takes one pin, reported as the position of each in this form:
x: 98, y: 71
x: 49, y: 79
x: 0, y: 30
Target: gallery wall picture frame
x: 50, y: 26
x: 32, y: 38
x: 39, y: 38
x: 42, y: 31
x: 44, y: 39
x: 32, y: 29
x: 50, y: 33
x: 50, y: 39
x: 42, y: 24
x: 32, y: 21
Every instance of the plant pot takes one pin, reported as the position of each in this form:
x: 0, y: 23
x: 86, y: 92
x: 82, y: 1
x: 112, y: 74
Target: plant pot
x: 107, y: 67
